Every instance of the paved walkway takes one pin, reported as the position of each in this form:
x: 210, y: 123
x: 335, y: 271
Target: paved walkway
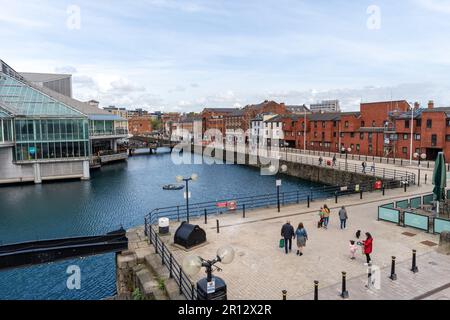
x: 261, y: 270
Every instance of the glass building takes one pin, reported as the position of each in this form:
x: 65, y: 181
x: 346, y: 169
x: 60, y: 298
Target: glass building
x: 45, y: 135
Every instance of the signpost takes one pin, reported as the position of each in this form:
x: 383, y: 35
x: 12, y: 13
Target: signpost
x: 278, y: 184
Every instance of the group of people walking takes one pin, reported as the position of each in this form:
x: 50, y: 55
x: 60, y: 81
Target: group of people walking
x: 288, y: 233
x: 324, y: 215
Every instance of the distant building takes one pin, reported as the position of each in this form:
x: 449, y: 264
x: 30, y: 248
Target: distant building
x: 326, y: 106
x: 61, y: 83
x: 121, y: 112
x: 300, y: 109
x: 140, y: 125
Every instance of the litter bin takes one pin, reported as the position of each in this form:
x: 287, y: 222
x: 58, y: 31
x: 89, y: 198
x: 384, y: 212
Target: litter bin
x: 163, y: 224
x: 207, y: 292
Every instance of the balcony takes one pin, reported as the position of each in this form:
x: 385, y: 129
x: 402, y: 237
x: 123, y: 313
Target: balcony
x: 120, y: 132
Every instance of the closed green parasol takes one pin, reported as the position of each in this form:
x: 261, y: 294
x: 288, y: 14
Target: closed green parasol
x: 439, y: 180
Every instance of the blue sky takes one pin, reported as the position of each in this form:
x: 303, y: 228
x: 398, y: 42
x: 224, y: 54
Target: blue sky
x: 185, y: 55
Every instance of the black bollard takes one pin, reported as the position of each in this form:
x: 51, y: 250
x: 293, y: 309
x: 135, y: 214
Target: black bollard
x: 360, y: 193
x: 316, y: 290
x: 284, y: 294
x: 384, y: 189
x: 414, y: 267
x: 336, y: 196
x: 243, y: 211
x: 217, y: 225
x: 426, y: 177
x: 344, y: 293
x: 309, y: 204
x: 206, y: 217
x: 405, y: 183
x: 393, y: 276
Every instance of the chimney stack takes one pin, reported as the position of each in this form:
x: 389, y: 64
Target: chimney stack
x: 430, y: 104
x: 416, y: 105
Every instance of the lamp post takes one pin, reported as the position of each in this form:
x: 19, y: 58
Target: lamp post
x: 210, y: 287
x: 346, y: 156
x: 418, y: 156
x: 193, y: 177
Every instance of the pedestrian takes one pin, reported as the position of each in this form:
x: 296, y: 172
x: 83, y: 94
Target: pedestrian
x: 320, y: 223
x: 334, y: 161
x: 302, y: 237
x: 343, y: 217
x: 353, y: 249
x: 287, y: 232
x: 372, y: 168
x: 326, y: 216
x: 320, y: 161
x: 363, y: 165
x: 368, y: 246
x: 358, y: 234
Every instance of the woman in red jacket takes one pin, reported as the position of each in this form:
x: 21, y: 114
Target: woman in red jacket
x: 368, y: 246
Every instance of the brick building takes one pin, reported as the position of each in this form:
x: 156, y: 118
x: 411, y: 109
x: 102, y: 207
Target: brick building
x: 140, y: 125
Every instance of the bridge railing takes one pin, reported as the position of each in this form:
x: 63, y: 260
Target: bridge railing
x: 217, y: 207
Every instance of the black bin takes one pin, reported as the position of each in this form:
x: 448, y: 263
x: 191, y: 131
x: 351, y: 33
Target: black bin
x: 189, y: 235
x: 220, y: 292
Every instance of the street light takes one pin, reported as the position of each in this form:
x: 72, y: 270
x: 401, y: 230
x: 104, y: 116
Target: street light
x: 193, y: 177
x: 418, y: 156
x: 346, y: 155
x: 209, y: 288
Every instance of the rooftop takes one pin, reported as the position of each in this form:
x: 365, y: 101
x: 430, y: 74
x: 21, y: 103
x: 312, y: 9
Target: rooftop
x: 44, y: 77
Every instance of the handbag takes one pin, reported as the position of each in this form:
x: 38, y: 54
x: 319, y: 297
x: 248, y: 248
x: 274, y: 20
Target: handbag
x: 281, y: 243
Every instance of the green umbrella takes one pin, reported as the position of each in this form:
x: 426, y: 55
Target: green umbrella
x: 439, y: 179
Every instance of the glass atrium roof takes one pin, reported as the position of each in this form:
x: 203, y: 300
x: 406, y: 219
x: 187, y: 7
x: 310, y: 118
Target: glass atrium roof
x: 29, y: 101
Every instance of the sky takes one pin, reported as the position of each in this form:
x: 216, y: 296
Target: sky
x: 183, y: 56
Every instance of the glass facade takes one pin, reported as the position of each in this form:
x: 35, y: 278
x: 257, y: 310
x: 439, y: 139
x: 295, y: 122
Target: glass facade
x: 6, y: 130
x: 41, y: 139
x: 29, y: 101
x: 107, y: 127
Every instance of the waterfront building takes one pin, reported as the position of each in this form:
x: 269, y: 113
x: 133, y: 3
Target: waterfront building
x: 47, y: 135
x: 140, y: 125
x: 61, y: 83
x: 325, y: 106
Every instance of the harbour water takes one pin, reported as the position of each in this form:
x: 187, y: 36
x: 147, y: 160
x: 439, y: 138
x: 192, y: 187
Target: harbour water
x: 120, y: 194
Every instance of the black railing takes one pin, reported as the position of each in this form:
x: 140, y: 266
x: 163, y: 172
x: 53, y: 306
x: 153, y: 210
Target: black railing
x: 196, y: 210
x: 185, y: 285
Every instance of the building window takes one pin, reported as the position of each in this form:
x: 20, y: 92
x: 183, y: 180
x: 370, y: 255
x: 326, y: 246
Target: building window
x: 417, y: 137
x: 357, y: 147
x: 352, y: 135
x: 323, y: 124
x: 342, y: 134
x: 418, y: 150
x: 374, y: 124
x: 361, y: 136
x: 419, y: 122
x: 363, y: 124
x: 370, y: 148
x: 433, y: 140
x: 429, y: 123
x: 346, y: 124
x: 315, y: 124
x: 334, y: 124
x: 407, y: 124
x: 323, y: 135
x: 315, y: 134
x: 447, y: 137
x: 334, y: 134
x: 405, y: 136
x: 405, y: 150
x: 352, y: 146
x: 448, y: 122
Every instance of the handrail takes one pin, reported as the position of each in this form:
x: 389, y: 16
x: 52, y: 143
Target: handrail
x: 207, y: 208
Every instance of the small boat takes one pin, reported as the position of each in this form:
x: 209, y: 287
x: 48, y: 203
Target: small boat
x: 173, y: 187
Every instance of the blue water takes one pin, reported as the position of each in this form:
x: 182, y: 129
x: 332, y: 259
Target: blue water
x: 118, y: 194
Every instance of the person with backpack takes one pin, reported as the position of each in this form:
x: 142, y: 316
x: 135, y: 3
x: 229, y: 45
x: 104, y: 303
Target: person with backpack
x: 287, y: 232
x: 302, y: 237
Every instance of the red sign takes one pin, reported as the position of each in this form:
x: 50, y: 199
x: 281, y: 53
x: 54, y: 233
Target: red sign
x: 232, y: 205
x: 222, y: 204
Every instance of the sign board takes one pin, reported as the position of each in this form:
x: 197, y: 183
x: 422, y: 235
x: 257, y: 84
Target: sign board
x: 188, y: 195
x: 278, y: 183
x: 232, y: 205
x: 344, y: 188
x: 32, y: 150
x: 211, y: 286
x: 357, y: 188
x: 222, y: 204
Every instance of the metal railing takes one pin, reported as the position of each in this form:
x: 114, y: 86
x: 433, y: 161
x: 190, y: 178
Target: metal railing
x: 208, y: 208
x: 185, y: 285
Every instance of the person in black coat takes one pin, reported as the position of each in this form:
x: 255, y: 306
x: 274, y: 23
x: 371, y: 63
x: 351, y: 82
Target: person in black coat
x: 287, y: 232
